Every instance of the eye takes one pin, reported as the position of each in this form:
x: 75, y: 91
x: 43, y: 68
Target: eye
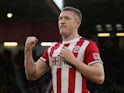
x: 60, y: 18
x: 67, y: 18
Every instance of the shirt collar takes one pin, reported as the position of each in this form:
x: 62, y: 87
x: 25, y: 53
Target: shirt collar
x: 72, y: 40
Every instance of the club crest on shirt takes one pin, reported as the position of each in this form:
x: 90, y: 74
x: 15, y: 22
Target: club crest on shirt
x: 59, y: 62
x: 76, y: 49
x: 96, y: 56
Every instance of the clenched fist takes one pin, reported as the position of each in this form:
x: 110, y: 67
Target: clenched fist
x: 30, y: 42
x: 67, y: 54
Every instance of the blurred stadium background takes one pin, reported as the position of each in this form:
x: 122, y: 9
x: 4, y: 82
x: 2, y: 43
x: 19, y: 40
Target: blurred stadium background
x: 103, y: 22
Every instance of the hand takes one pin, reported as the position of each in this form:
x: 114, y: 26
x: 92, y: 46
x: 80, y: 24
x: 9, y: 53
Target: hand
x: 67, y: 55
x: 30, y: 43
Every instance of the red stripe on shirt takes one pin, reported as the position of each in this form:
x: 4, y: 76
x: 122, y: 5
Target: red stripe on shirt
x: 54, y: 48
x: 79, y: 43
x: 71, y: 80
x: 59, y: 70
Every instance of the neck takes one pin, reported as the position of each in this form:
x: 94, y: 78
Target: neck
x: 67, y: 38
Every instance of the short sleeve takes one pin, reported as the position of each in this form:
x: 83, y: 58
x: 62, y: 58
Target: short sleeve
x: 92, y: 54
x: 45, y: 57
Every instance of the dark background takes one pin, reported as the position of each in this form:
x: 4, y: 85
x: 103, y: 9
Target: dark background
x: 39, y: 18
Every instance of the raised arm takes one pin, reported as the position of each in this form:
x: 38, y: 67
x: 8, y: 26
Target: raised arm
x: 33, y: 69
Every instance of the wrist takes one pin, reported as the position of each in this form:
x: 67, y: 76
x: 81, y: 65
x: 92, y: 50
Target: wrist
x: 27, y: 50
x: 73, y: 61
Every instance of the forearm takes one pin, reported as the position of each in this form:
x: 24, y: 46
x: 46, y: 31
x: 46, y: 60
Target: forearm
x: 30, y: 66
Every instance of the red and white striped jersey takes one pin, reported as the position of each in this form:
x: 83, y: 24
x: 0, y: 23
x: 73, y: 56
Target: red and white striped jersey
x: 65, y: 78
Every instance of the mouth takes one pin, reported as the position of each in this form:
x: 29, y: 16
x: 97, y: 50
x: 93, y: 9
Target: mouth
x: 62, y: 26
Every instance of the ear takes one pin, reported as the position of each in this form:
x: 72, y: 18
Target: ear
x: 78, y: 24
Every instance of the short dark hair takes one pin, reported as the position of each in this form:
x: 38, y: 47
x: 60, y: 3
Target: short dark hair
x: 75, y: 10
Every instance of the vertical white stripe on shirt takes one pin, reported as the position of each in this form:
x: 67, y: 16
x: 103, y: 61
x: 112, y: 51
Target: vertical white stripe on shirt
x: 54, y: 71
x: 49, y: 50
x: 82, y: 50
x: 65, y: 74
x: 57, y: 51
x: 65, y: 81
x: 78, y: 83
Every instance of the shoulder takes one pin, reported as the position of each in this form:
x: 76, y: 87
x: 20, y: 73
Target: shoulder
x: 91, y: 45
x: 89, y: 41
x: 54, y: 45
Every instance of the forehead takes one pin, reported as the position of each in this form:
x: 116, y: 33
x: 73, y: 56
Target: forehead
x: 66, y: 13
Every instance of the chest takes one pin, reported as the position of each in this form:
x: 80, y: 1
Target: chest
x: 56, y: 61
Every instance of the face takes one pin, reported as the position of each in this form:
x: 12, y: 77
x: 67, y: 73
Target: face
x: 67, y: 23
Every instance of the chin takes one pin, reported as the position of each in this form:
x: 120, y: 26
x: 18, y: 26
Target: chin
x: 62, y: 33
